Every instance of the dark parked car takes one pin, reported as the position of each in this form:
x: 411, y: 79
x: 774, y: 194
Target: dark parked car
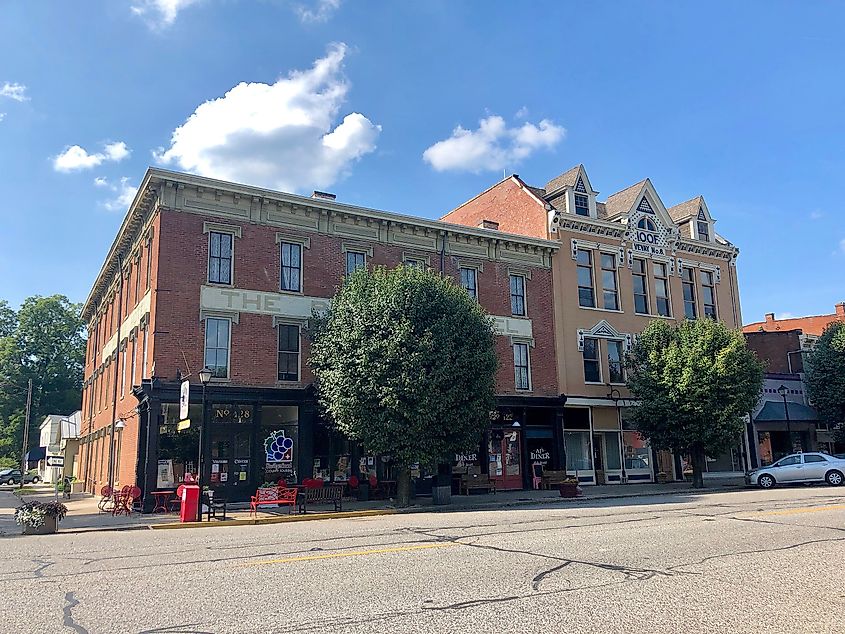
x: 13, y: 476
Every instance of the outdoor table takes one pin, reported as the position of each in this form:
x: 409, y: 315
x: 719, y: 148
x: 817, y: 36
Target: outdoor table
x: 161, y: 500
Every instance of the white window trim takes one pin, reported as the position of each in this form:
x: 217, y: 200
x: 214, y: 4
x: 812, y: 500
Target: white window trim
x: 666, y: 279
x: 592, y: 253
x: 124, y: 349
x: 598, y: 360
x: 232, y: 319
x: 622, y: 360
x: 615, y: 271
x: 416, y: 257
x: 528, y: 344
x: 277, y: 323
x: 212, y: 228
x: 304, y: 243
x: 648, y: 312
x: 524, y: 314
x: 475, y: 269
x: 145, y: 353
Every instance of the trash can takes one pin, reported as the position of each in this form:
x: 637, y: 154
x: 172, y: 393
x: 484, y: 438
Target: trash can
x: 363, y: 491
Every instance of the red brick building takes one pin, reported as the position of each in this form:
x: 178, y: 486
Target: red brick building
x: 812, y: 326
x: 210, y: 273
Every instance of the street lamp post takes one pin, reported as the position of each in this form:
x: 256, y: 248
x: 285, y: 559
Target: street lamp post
x: 205, y: 377
x: 616, y: 396
x: 783, y: 391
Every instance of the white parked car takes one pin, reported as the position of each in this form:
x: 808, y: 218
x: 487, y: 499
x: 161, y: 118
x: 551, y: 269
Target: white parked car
x: 799, y: 468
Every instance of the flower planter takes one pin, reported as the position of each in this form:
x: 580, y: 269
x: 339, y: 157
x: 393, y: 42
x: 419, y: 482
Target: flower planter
x: 50, y: 525
x: 568, y: 490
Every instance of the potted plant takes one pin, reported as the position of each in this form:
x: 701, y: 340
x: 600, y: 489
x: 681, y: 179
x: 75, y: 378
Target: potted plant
x: 39, y: 518
x: 569, y: 488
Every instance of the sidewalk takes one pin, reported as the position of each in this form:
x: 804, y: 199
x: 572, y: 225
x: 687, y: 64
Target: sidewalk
x: 84, y: 516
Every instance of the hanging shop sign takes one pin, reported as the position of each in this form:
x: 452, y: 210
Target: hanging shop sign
x: 184, y: 399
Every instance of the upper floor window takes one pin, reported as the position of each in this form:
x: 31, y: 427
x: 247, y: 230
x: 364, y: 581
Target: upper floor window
x: 291, y: 277
x: 288, y: 353
x: 469, y: 281
x: 355, y: 260
x: 688, y: 282
x: 615, y: 361
x: 647, y: 224
x: 521, y: 369
x: 703, y: 231
x: 640, y: 287
x: 582, y: 205
x: 586, y: 292
x: 610, y: 293
x: 661, y: 290
x: 217, y: 334
x: 517, y: 295
x: 219, y: 257
x: 149, y: 251
x: 137, y: 271
x: 134, y: 360
x: 592, y: 365
x: 708, y: 294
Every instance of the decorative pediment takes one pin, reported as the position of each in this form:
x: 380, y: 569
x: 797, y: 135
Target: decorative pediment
x: 603, y: 330
x: 645, y: 206
x: 701, y: 215
x: 579, y: 186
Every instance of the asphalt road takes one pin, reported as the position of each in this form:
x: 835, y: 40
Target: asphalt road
x: 749, y: 561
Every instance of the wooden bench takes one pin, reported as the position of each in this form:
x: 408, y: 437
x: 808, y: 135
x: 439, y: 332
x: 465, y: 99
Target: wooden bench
x: 471, y: 481
x: 553, y: 478
x: 323, y: 495
x: 274, y: 495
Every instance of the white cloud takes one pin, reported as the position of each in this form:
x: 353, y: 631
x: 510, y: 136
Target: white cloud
x: 2, y: 115
x: 76, y: 158
x: 842, y: 245
x: 784, y: 316
x: 816, y: 215
x: 493, y: 146
x: 277, y: 135
x: 13, y: 91
x: 123, y: 191
x: 160, y: 13
x: 521, y: 113
x: 321, y: 11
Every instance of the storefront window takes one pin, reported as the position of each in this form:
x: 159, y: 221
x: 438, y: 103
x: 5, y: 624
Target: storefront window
x: 230, y: 413
x: 178, y: 450
x: 613, y: 457
x: 637, y: 452
x: 577, y: 445
x: 279, y: 442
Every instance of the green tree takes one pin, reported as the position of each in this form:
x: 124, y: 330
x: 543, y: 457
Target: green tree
x: 405, y: 364
x: 826, y: 377
x: 47, y: 345
x: 695, y: 382
x: 8, y: 319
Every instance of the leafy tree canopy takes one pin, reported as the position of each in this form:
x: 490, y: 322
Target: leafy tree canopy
x: 44, y: 341
x: 695, y: 382
x: 826, y: 376
x: 405, y: 363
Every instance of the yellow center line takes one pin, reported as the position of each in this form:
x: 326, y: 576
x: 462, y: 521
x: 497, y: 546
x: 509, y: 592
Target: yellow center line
x: 354, y: 553
x: 809, y: 509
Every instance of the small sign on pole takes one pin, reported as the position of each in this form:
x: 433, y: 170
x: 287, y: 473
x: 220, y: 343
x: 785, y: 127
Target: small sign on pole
x: 184, y: 399
x: 55, y: 461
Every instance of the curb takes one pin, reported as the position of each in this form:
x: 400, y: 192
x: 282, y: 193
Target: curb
x: 283, y: 519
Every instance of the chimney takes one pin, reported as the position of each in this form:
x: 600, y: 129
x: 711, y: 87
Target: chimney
x: 840, y: 309
x: 770, y: 317
x: 488, y: 224
x: 323, y: 195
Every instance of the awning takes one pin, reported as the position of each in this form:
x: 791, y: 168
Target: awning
x: 36, y: 453
x: 773, y: 411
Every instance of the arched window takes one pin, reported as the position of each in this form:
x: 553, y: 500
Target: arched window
x: 647, y: 224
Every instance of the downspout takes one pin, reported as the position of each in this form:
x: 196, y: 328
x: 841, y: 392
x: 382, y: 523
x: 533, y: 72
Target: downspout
x: 116, y: 369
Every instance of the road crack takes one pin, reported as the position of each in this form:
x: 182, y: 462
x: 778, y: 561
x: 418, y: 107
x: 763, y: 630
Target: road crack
x: 72, y: 602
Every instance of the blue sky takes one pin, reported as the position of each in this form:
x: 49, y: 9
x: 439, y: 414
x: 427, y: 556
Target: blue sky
x: 740, y: 102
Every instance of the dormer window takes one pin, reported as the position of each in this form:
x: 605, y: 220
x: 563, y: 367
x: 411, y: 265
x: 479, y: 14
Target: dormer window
x: 703, y: 231
x: 582, y: 205
x: 647, y: 224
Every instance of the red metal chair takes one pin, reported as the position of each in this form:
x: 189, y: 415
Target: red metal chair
x: 134, y: 497
x: 282, y: 483
x: 373, y: 485
x: 121, y: 501
x: 175, y: 504
x: 105, y: 498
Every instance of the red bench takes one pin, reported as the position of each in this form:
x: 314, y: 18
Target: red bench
x: 275, y: 495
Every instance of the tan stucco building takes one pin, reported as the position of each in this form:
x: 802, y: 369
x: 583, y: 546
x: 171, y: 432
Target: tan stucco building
x: 622, y: 263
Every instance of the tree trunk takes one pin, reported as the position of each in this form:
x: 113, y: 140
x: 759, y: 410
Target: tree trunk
x: 403, y: 486
x: 698, y: 458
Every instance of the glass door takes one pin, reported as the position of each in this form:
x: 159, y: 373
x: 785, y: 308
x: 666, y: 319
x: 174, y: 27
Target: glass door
x: 231, y: 471
x: 505, y: 458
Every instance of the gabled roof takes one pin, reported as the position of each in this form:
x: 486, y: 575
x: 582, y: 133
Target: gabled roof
x: 686, y: 210
x: 621, y: 202
x: 539, y: 192
x: 567, y: 179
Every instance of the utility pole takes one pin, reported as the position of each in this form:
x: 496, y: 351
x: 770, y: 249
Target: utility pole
x: 26, y: 429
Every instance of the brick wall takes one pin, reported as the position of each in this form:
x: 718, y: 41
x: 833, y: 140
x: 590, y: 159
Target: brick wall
x: 179, y: 335
x: 509, y: 204
x: 772, y: 349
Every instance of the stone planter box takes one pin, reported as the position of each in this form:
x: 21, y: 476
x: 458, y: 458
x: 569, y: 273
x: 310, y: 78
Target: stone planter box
x: 51, y: 525
x: 569, y: 490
